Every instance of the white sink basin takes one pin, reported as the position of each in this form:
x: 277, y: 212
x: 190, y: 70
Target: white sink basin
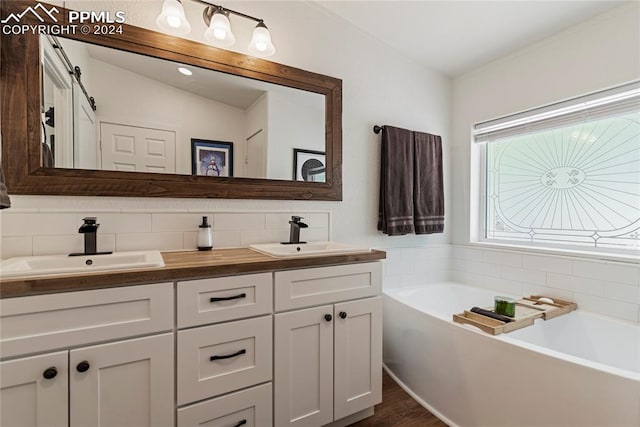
x: 279, y: 250
x: 63, y: 264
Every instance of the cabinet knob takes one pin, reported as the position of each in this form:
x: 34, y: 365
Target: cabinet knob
x: 83, y: 366
x: 328, y: 317
x: 342, y: 315
x: 50, y: 373
x: 241, y: 423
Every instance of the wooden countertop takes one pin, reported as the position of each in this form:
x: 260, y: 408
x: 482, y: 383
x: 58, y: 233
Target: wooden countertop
x: 186, y: 265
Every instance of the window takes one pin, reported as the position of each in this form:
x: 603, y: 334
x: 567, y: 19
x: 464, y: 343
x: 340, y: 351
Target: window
x: 565, y: 174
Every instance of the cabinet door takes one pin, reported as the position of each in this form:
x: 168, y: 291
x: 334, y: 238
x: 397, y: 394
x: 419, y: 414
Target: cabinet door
x: 125, y: 383
x: 303, y: 367
x: 34, y: 391
x: 358, y: 356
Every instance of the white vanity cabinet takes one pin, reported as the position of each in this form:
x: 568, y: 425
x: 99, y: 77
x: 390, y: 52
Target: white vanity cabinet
x: 121, y: 381
x: 327, y: 358
x: 292, y: 347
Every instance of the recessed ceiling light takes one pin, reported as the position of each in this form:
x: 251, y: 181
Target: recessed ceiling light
x: 185, y: 71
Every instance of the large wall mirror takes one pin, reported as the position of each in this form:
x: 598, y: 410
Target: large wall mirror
x: 146, y: 114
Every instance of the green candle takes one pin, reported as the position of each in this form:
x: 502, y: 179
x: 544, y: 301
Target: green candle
x: 505, y: 306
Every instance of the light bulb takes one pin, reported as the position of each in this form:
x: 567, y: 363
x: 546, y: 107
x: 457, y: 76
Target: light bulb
x: 185, y: 71
x: 172, y: 18
x: 219, y: 31
x: 261, y: 41
x: 173, y: 21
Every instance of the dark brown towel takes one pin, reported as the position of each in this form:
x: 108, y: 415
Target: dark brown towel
x: 428, y: 187
x: 5, y: 201
x: 395, y: 214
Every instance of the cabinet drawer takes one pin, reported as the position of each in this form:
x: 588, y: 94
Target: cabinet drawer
x: 46, y: 322
x: 217, y: 359
x: 233, y: 298
x: 253, y: 406
x: 324, y: 285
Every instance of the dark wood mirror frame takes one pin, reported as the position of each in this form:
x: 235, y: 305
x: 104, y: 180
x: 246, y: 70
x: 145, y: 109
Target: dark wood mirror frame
x: 20, y: 111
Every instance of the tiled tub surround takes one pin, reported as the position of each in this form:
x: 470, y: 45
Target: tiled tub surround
x: 605, y: 287
x: 415, y: 266
x: 27, y: 232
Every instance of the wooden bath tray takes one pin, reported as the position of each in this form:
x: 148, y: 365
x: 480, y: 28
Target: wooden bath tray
x: 528, y: 309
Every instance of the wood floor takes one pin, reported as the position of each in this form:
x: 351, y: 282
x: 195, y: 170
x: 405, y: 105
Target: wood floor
x: 398, y: 409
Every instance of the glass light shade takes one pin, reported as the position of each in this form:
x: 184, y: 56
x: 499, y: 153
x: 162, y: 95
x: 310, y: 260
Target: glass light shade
x: 261, y: 41
x: 172, y: 19
x: 219, y: 31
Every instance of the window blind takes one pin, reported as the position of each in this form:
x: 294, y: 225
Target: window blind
x: 614, y: 101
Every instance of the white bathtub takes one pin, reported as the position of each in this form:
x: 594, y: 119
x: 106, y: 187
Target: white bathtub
x: 578, y: 370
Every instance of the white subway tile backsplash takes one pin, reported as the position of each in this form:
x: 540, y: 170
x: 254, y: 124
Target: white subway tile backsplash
x: 608, y: 307
x: 281, y: 220
x: 502, y: 258
x: 621, y: 292
x: 468, y: 254
x: 409, y: 259
x: 238, y: 221
x: 35, y: 224
x: 171, y: 241
x: 467, y: 278
x: 528, y: 289
x: 508, y: 287
x: 311, y: 234
x: 16, y: 247
x: 118, y: 223
x: 55, y: 245
x: 393, y: 263
x: 575, y: 283
x: 163, y: 222
x: 606, y: 287
x: 547, y: 263
x: 263, y: 236
x: 221, y: 239
x: 607, y: 271
x: 484, y: 269
x: 534, y: 277
x: 24, y: 232
x: 226, y: 239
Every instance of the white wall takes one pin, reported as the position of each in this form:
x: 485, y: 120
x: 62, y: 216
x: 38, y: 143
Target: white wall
x: 293, y: 123
x: 380, y: 86
x: 601, y: 52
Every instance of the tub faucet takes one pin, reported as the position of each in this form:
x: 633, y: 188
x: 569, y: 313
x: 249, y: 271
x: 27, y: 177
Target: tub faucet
x: 294, y: 231
x: 89, y: 228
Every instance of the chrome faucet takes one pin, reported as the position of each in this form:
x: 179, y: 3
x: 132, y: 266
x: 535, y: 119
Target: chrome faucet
x: 89, y: 228
x: 294, y: 231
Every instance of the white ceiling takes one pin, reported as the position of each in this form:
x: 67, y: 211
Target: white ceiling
x: 455, y: 37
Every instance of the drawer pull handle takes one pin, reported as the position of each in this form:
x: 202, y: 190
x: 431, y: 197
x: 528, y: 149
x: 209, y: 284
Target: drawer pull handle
x: 243, y: 295
x: 241, y: 423
x: 228, y: 356
x: 83, y: 366
x: 50, y: 373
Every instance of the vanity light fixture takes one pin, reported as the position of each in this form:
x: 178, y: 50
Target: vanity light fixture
x: 218, y: 33
x: 172, y: 19
x: 185, y: 71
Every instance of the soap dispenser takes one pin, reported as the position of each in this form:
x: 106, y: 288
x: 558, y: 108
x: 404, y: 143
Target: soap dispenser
x: 205, y: 238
